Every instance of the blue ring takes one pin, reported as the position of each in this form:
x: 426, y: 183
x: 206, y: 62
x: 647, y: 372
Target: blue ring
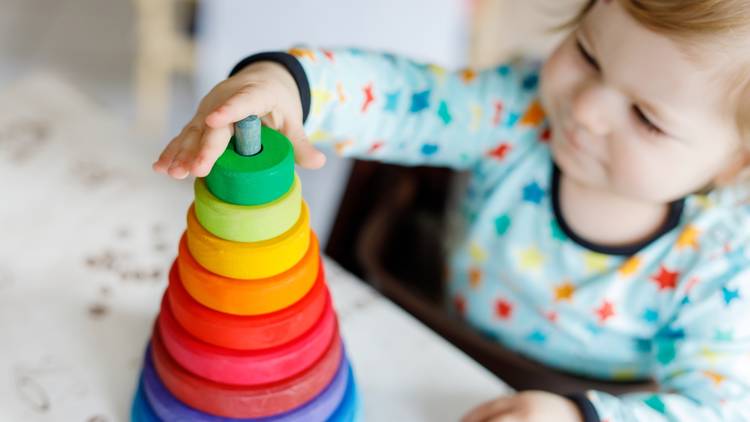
x: 349, y: 409
x: 141, y: 410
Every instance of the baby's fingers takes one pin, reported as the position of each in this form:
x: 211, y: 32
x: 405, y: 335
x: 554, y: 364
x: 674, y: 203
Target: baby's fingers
x: 212, y: 145
x: 165, y: 159
x: 305, y: 154
x: 182, y: 162
x: 249, y: 100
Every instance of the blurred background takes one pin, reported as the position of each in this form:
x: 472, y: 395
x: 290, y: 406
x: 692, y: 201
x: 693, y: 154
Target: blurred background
x: 148, y: 62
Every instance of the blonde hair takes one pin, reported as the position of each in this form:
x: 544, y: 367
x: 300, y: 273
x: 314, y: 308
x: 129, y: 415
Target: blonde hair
x: 686, y: 18
x: 699, y: 23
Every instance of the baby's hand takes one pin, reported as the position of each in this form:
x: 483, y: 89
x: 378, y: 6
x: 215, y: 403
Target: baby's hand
x: 265, y: 89
x: 527, y: 406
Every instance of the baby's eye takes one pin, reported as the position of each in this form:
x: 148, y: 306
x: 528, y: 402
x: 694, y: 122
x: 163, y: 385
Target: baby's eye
x: 586, y: 56
x: 643, y: 119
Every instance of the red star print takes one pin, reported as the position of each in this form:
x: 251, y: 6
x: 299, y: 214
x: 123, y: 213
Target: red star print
x: 666, y: 279
x: 328, y: 54
x: 460, y: 304
x: 376, y: 146
x: 552, y: 316
x: 545, y: 136
x: 605, y: 311
x: 503, y: 309
x: 369, y: 98
x: 498, y: 112
x: 500, y: 151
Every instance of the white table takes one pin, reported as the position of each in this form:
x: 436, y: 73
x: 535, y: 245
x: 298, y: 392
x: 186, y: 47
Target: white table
x: 87, y: 234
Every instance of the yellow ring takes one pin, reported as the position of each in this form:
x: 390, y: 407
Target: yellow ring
x: 248, y: 260
x: 249, y: 297
x: 247, y: 223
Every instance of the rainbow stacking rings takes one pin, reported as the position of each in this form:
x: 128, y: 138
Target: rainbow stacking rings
x: 247, y: 331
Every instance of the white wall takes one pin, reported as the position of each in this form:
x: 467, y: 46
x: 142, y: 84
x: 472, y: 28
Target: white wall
x: 427, y: 30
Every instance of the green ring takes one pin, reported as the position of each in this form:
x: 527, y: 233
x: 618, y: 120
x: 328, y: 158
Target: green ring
x: 256, y: 179
x: 247, y: 223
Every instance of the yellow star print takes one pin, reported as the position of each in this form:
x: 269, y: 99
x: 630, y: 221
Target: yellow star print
x: 716, y: 377
x: 630, y: 266
x: 302, y: 53
x: 704, y: 201
x: 320, y: 97
x: 319, y: 135
x: 476, y: 118
x: 478, y: 254
x: 688, y: 238
x: 710, y: 355
x: 625, y: 374
x: 595, y: 262
x: 438, y: 71
x: 564, y: 291
x: 531, y: 259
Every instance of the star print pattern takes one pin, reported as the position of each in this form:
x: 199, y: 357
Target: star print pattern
x: 675, y: 309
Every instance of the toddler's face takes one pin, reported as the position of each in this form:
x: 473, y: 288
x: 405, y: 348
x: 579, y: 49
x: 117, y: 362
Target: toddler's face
x: 633, y: 114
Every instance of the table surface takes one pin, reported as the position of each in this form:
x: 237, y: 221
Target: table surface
x: 86, y: 241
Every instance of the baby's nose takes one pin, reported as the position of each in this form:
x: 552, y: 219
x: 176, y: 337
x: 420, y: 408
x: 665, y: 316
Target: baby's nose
x: 593, y: 109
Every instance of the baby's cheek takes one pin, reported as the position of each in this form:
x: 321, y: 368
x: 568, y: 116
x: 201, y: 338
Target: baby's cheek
x: 635, y: 175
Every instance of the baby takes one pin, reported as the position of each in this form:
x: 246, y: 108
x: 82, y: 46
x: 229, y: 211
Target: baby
x: 604, y: 235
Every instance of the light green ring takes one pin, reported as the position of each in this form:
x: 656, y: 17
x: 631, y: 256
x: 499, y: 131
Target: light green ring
x: 247, y: 223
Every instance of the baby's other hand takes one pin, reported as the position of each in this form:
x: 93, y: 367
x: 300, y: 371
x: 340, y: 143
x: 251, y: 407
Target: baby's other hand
x: 527, y: 406
x: 265, y: 89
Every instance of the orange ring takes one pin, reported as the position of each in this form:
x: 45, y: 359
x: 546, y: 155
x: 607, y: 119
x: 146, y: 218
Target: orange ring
x: 248, y: 297
x: 248, y: 260
x: 246, y: 332
x: 233, y: 401
x: 246, y: 367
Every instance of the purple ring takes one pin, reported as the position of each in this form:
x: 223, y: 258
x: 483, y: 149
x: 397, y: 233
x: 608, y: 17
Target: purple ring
x: 319, y: 409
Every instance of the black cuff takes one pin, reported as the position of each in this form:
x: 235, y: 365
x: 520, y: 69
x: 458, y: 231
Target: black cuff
x: 585, y: 406
x: 291, y: 64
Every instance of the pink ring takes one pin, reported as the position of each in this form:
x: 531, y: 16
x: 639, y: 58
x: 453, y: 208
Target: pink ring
x: 246, y: 367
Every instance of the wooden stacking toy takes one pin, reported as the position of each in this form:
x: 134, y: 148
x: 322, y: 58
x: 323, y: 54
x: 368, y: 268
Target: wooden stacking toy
x: 247, y: 330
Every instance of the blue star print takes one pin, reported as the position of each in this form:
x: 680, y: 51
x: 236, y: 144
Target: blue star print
x: 420, y: 101
x: 533, y: 193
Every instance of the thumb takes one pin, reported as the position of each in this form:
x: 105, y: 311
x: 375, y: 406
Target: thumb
x: 305, y: 154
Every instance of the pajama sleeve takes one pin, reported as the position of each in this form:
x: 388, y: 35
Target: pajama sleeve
x: 384, y: 107
x: 701, y: 354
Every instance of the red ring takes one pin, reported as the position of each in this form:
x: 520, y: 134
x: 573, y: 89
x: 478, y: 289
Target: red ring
x: 244, y: 402
x: 246, y: 367
x: 246, y: 332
